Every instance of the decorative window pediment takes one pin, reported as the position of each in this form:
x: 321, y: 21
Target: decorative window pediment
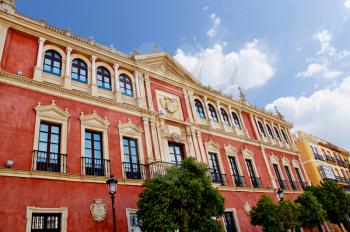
x: 295, y: 163
x: 94, y: 120
x: 247, y: 153
x: 274, y: 159
x: 52, y: 111
x: 230, y: 150
x: 212, y: 146
x: 129, y: 128
x: 285, y: 161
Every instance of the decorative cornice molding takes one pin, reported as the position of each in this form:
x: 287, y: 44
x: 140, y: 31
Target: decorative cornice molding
x: 94, y: 120
x: 211, y: 145
x: 52, y: 110
x: 247, y: 153
x: 129, y: 128
x: 230, y: 150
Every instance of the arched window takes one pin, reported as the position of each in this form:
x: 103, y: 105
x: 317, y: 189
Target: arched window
x: 284, y: 136
x: 104, y: 78
x: 52, y: 62
x: 199, y: 108
x: 277, y: 133
x: 125, y: 85
x: 212, y: 112
x: 225, y: 117
x: 236, y: 121
x: 262, y: 130
x: 270, y: 131
x: 79, y: 70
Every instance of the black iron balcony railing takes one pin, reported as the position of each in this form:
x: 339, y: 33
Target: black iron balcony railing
x: 217, y: 177
x: 160, y: 168
x: 304, y: 185
x: 256, y: 182
x: 318, y: 156
x: 95, y: 167
x: 282, y: 184
x: 134, y: 171
x: 293, y: 185
x: 51, y: 162
x: 239, y: 181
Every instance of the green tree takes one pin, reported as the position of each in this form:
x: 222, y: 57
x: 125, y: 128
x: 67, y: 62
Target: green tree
x: 333, y: 199
x: 311, y: 211
x: 288, y: 213
x: 183, y: 199
x: 266, y: 214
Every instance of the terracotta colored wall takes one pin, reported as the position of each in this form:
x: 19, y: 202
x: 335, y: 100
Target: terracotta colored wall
x: 248, y: 124
x: 166, y: 87
x: 17, y: 123
x: 18, y: 193
x: 20, y: 53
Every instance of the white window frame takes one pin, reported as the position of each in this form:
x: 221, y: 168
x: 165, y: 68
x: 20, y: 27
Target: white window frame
x: 234, y: 213
x: 63, y: 211
x: 248, y: 154
x: 128, y: 212
x: 213, y: 147
x: 131, y: 130
x: 233, y: 152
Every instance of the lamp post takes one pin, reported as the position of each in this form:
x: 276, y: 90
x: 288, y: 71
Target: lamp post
x: 280, y: 194
x: 112, y: 189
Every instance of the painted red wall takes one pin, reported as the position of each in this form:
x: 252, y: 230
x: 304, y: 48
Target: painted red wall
x: 166, y: 87
x: 248, y: 125
x: 20, y: 53
x: 18, y: 193
x: 17, y: 123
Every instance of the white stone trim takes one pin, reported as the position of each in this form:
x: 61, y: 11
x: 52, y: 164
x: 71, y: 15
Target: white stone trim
x: 3, y: 35
x: 234, y: 212
x: 213, y: 147
x: 51, y: 113
x: 62, y: 210
x: 129, y: 211
x: 233, y: 152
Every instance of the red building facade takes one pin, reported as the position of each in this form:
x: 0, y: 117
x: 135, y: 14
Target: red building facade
x: 73, y: 112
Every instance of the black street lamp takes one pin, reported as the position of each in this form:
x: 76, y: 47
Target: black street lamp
x: 112, y: 189
x: 280, y: 194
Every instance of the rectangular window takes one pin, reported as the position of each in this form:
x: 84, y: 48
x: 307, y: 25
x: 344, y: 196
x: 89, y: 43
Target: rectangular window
x: 239, y: 180
x: 289, y: 175
x: 131, y: 159
x: 176, y: 153
x: 93, y: 160
x: 230, y: 223
x: 215, y: 169
x: 134, y: 223
x: 48, y: 153
x: 46, y: 222
x: 256, y: 183
x: 282, y: 183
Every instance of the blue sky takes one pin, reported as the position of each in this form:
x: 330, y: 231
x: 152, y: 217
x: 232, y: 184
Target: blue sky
x: 294, y: 54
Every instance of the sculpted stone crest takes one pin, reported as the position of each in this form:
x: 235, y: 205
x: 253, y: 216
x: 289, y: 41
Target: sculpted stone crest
x: 98, y: 210
x: 169, y: 104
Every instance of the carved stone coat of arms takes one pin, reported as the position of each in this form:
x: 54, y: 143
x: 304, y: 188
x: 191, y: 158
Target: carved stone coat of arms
x: 98, y: 210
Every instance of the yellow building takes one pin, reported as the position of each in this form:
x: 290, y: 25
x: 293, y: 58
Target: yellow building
x: 323, y: 160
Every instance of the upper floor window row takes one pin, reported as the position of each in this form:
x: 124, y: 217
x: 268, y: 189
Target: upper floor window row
x: 79, y: 72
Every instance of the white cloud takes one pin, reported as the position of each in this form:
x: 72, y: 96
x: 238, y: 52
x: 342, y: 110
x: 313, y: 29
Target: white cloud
x: 216, y: 21
x: 325, y: 113
x: 250, y: 67
x: 205, y: 8
x: 317, y: 69
x: 324, y: 37
x: 347, y: 3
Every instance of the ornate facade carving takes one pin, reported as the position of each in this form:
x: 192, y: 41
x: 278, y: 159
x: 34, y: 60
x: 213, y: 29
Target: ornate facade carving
x: 98, y: 210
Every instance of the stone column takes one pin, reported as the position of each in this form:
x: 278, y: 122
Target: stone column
x: 193, y: 108
x: 67, y: 82
x: 266, y: 131
x: 38, y: 68
x: 142, y: 98
x: 155, y: 140
x: 94, y: 91
x: 148, y: 139
x: 188, y: 107
x: 190, y: 144
x: 3, y: 33
x: 245, y: 131
x: 117, y: 94
x: 206, y: 108
x: 221, y: 121
x: 149, y: 92
x: 252, y: 118
x: 201, y: 147
x: 267, y: 164
x: 195, y: 143
x: 137, y: 83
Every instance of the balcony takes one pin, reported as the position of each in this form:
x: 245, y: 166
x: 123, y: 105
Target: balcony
x: 95, y: 167
x: 318, y: 156
x: 160, y: 168
x: 256, y: 182
x: 217, y: 177
x: 282, y: 184
x: 239, y: 181
x: 50, y: 162
x: 134, y: 171
x: 303, y: 185
x: 293, y: 185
